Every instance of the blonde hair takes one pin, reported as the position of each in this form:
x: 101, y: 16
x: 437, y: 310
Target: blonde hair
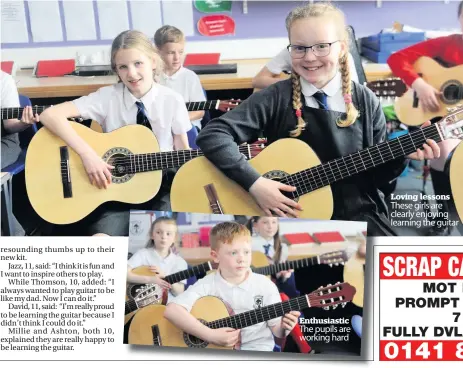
x: 276, y: 238
x: 136, y: 40
x: 167, y: 34
x: 164, y: 220
x: 226, y: 232
x: 319, y: 10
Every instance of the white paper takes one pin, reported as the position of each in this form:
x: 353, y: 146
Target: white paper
x: 14, y: 28
x: 146, y: 16
x: 79, y: 20
x: 113, y: 18
x: 45, y: 21
x: 179, y: 14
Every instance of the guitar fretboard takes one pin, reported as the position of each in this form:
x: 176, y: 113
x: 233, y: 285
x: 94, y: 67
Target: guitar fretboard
x: 298, y: 263
x: 263, y: 314
x: 130, y: 306
x: 185, y: 274
x: 16, y: 112
x: 201, y: 105
x: 142, y: 162
x: 332, y: 171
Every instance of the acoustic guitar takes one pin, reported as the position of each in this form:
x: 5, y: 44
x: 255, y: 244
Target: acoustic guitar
x: 149, y: 327
x: 448, y: 81
x: 293, y: 162
x: 221, y: 105
x: 137, y: 291
x: 57, y: 183
x: 16, y: 112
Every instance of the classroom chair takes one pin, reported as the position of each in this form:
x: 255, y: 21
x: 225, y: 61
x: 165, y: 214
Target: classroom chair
x: 192, y: 134
x: 353, y: 49
x: 24, y: 139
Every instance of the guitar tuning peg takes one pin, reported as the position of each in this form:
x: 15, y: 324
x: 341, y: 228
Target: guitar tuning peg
x: 326, y: 308
x: 331, y: 265
x: 335, y: 306
x: 343, y: 304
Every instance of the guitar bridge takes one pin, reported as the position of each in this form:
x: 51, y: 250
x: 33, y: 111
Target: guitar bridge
x: 65, y: 172
x: 156, y: 335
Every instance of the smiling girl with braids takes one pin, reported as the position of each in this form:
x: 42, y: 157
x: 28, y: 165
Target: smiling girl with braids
x: 320, y: 105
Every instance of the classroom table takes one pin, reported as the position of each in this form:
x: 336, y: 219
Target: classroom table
x: 7, y: 210
x: 72, y: 86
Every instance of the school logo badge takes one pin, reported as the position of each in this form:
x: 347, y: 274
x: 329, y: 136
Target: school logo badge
x: 258, y: 301
x: 135, y: 227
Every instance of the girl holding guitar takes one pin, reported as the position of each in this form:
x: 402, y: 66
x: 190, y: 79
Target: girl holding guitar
x: 449, y: 51
x: 137, y: 98
x: 320, y: 105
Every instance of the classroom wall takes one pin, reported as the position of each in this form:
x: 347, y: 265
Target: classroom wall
x: 261, y: 32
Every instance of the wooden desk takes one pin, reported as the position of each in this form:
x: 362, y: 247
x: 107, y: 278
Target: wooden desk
x: 71, y: 86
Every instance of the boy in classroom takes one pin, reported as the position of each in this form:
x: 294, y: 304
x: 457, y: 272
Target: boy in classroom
x: 449, y: 51
x: 10, y: 128
x: 136, y: 99
x: 170, y: 41
x: 320, y: 105
x: 236, y: 284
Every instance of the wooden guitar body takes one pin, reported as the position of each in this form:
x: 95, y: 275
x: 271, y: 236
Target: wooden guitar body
x: 290, y: 155
x: 44, y: 173
x: 355, y: 275
x: 441, y: 79
x: 206, y: 309
x: 456, y: 179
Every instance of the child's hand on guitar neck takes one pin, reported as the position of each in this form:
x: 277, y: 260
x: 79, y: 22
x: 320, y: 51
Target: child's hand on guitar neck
x: 98, y: 171
x: 285, y: 275
x: 289, y: 320
x: 429, y: 151
x: 427, y: 95
x: 157, y: 271
x: 225, y: 336
x: 267, y: 194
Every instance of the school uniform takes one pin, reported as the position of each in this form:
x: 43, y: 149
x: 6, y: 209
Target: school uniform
x: 355, y: 198
x: 267, y: 247
x: 150, y: 257
x: 115, y: 107
x: 282, y: 62
x: 255, y: 292
x: 187, y: 84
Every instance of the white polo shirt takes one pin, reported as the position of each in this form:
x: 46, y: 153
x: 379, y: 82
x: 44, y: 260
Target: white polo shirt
x: 9, y: 92
x: 114, y: 107
x: 255, y: 292
x: 186, y: 83
x: 282, y: 62
x: 150, y: 257
x: 258, y: 243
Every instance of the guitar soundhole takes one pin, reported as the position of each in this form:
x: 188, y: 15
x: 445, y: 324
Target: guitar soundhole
x: 452, y: 92
x: 119, y: 158
x: 279, y: 175
x: 193, y: 341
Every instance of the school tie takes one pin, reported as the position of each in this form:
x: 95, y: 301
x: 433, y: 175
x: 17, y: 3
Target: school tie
x: 321, y: 99
x: 266, y: 247
x: 142, y: 119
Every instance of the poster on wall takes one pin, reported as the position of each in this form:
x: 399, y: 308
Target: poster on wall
x: 213, y: 6
x: 216, y: 25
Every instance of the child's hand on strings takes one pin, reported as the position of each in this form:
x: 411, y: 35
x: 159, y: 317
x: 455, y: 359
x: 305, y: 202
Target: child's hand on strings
x: 159, y: 281
x: 427, y: 95
x: 225, y: 336
x: 285, y: 275
x: 157, y: 271
x: 98, y: 171
x: 267, y: 194
x: 289, y: 320
x: 429, y: 151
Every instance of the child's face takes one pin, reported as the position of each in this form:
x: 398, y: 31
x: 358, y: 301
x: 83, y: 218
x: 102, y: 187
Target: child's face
x: 172, y: 55
x: 312, y: 31
x: 163, y: 235
x: 135, y: 69
x: 266, y: 227
x: 234, y: 259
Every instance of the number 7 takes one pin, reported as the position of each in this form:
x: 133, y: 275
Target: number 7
x: 457, y: 315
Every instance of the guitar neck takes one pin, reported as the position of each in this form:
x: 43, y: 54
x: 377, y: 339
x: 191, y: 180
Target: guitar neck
x: 332, y: 171
x: 202, y: 105
x: 263, y: 314
x: 143, y: 162
x: 185, y: 274
x: 16, y: 112
x: 130, y: 306
x: 289, y: 265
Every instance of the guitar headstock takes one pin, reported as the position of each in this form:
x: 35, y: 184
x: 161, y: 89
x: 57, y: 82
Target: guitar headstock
x: 331, y: 296
x: 452, y: 124
x: 227, y: 105
x: 148, y: 294
x: 253, y: 149
x: 334, y: 258
x: 392, y: 87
